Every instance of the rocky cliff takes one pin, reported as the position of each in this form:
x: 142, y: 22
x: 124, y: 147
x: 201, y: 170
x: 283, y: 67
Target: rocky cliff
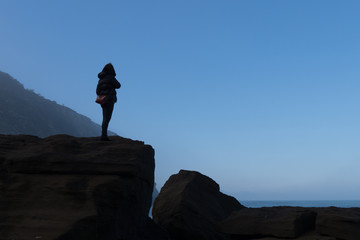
x: 62, y: 187
x: 68, y: 188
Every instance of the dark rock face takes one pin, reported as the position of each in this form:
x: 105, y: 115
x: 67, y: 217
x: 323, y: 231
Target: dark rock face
x: 63, y: 187
x: 190, y: 204
x: 282, y: 222
x: 342, y: 223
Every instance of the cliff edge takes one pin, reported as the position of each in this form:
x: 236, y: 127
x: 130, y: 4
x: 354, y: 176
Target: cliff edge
x: 63, y: 187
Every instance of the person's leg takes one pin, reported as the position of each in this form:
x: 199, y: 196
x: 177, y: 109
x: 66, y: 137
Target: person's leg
x: 107, y: 113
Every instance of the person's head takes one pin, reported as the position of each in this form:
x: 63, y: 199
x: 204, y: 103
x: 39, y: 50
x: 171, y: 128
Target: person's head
x: 109, y: 69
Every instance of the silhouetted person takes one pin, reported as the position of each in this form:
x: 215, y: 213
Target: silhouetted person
x: 106, y: 87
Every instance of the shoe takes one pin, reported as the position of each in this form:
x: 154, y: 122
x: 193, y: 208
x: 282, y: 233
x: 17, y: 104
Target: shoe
x: 104, y: 138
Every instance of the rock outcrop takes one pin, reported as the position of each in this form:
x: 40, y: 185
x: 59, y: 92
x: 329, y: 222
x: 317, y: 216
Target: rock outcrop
x: 190, y: 204
x: 68, y: 188
x: 62, y: 187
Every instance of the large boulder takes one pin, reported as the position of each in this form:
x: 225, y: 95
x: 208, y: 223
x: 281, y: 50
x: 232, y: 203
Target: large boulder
x: 342, y: 223
x: 280, y: 222
x: 62, y: 187
x: 189, y: 206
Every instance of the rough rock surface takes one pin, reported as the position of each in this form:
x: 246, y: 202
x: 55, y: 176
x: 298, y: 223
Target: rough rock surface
x: 342, y: 223
x: 309, y: 236
x: 190, y: 204
x: 281, y: 222
x: 62, y: 187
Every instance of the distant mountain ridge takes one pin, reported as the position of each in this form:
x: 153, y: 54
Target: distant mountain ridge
x: 25, y: 112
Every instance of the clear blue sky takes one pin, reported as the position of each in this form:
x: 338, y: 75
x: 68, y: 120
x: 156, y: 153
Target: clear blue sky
x: 262, y: 96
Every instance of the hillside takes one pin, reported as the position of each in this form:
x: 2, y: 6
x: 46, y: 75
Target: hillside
x: 24, y: 112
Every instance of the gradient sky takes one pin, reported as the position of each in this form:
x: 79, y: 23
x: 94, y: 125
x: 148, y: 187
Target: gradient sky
x: 261, y: 96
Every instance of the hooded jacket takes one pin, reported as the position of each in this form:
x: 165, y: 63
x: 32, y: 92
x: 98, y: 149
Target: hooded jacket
x: 107, y: 83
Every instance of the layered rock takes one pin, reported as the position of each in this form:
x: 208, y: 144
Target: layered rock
x: 63, y: 187
x: 190, y: 204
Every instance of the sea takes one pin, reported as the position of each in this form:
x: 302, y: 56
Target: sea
x: 309, y: 203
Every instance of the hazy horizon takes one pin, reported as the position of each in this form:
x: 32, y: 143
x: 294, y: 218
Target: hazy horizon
x: 261, y: 96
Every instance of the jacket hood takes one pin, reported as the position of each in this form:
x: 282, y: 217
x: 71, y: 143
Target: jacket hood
x: 109, y: 69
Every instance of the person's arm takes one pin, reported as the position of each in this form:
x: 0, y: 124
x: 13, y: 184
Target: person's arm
x: 116, y: 83
x: 98, y: 89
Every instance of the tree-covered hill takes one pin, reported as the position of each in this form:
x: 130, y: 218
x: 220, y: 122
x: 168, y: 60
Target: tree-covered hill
x: 22, y: 111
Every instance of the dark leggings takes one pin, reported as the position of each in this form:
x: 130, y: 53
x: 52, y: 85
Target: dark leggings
x: 107, y: 110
